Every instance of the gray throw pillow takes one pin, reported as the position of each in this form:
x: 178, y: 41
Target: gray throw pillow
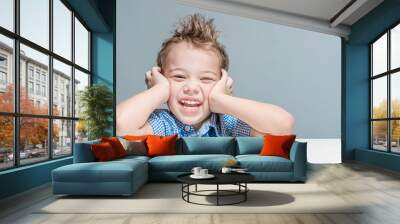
x: 134, y: 147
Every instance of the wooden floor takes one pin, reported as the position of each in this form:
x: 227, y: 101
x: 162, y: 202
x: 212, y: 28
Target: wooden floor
x: 378, y: 188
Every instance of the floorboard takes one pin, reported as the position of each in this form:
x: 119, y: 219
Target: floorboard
x: 379, y: 189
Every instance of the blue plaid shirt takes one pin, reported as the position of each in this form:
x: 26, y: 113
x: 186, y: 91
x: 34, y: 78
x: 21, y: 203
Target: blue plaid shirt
x: 164, y: 123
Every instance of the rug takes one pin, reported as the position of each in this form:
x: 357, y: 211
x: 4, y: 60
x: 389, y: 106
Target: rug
x: 166, y: 198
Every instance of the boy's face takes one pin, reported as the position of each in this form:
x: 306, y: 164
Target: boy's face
x: 192, y: 73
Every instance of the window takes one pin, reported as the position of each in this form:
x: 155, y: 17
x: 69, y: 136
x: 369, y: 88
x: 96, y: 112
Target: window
x: 30, y: 72
x: 3, y: 78
x: 30, y: 87
x: 34, y: 22
x: 54, y: 125
x: 81, y: 45
x: 7, y: 14
x: 3, y: 72
x: 3, y: 61
x: 62, y: 30
x: 385, y: 91
x: 43, y: 90
x: 38, y: 89
x: 38, y: 74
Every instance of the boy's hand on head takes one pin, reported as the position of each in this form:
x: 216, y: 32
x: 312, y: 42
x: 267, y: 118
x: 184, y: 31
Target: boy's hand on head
x: 155, y: 78
x: 223, y: 87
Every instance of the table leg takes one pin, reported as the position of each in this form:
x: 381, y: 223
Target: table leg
x: 217, y: 194
x: 245, y: 193
x: 196, y: 188
x: 188, y: 190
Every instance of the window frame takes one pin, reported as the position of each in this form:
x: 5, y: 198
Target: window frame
x: 16, y: 115
x: 388, y: 74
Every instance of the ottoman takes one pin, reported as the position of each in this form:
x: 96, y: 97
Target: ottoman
x: 118, y: 177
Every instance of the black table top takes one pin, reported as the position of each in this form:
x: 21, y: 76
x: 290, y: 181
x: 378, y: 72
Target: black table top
x: 220, y: 178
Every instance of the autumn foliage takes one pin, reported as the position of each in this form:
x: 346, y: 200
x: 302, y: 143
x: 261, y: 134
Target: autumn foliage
x: 380, y: 127
x: 33, y: 131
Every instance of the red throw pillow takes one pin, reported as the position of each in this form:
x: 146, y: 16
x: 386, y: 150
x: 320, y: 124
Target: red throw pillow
x: 161, y: 145
x: 103, y: 151
x: 116, y: 145
x: 136, y: 137
x: 277, y: 145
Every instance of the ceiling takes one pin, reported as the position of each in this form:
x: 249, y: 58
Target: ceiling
x: 333, y: 17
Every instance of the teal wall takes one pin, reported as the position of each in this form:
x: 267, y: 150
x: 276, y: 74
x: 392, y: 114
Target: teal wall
x: 103, y: 61
x: 103, y: 51
x: 24, y: 178
x: 356, y: 85
x: 99, y: 15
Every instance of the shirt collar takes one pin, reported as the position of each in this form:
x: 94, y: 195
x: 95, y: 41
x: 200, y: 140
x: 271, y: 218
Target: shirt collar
x: 188, y: 130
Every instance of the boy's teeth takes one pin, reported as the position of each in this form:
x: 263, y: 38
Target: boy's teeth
x: 190, y: 102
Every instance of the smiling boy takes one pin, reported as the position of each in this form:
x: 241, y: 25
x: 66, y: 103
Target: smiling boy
x: 192, y: 79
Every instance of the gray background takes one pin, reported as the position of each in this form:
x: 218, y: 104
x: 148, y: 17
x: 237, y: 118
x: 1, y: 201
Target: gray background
x: 296, y: 69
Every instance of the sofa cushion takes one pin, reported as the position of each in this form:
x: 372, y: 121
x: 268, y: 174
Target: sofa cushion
x: 111, y: 171
x: 249, y: 145
x: 257, y: 163
x: 207, y: 145
x: 83, y: 152
x: 185, y: 163
x: 131, y: 158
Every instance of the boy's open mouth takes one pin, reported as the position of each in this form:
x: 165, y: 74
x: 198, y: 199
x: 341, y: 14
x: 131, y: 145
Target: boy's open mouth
x: 190, y: 105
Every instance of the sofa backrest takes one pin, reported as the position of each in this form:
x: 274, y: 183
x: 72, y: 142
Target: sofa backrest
x: 206, y: 145
x: 83, y: 152
x: 249, y: 145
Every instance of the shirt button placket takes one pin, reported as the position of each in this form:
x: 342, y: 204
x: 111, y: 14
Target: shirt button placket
x: 187, y: 128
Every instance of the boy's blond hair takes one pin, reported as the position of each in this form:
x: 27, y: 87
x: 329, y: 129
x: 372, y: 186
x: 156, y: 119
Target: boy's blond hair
x: 195, y: 29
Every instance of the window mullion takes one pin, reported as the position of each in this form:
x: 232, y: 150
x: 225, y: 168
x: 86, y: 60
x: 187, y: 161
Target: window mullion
x: 16, y: 84
x: 370, y: 98
x: 389, y: 106
x: 73, y: 83
x: 50, y: 87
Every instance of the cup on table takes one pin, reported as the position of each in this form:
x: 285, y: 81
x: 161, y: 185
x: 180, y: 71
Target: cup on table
x: 203, y: 172
x: 226, y: 170
x: 196, y: 171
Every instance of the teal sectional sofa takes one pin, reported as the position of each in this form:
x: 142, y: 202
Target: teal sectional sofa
x: 125, y: 176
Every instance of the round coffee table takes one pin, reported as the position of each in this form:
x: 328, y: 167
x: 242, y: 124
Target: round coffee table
x: 238, y: 179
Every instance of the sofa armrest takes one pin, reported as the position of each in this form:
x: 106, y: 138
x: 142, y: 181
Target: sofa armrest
x: 298, y: 155
x: 83, y: 152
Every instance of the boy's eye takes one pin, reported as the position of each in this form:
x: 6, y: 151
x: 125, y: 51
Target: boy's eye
x: 178, y: 77
x: 207, y: 80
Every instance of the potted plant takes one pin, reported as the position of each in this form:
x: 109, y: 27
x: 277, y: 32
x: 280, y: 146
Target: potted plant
x: 96, y: 102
